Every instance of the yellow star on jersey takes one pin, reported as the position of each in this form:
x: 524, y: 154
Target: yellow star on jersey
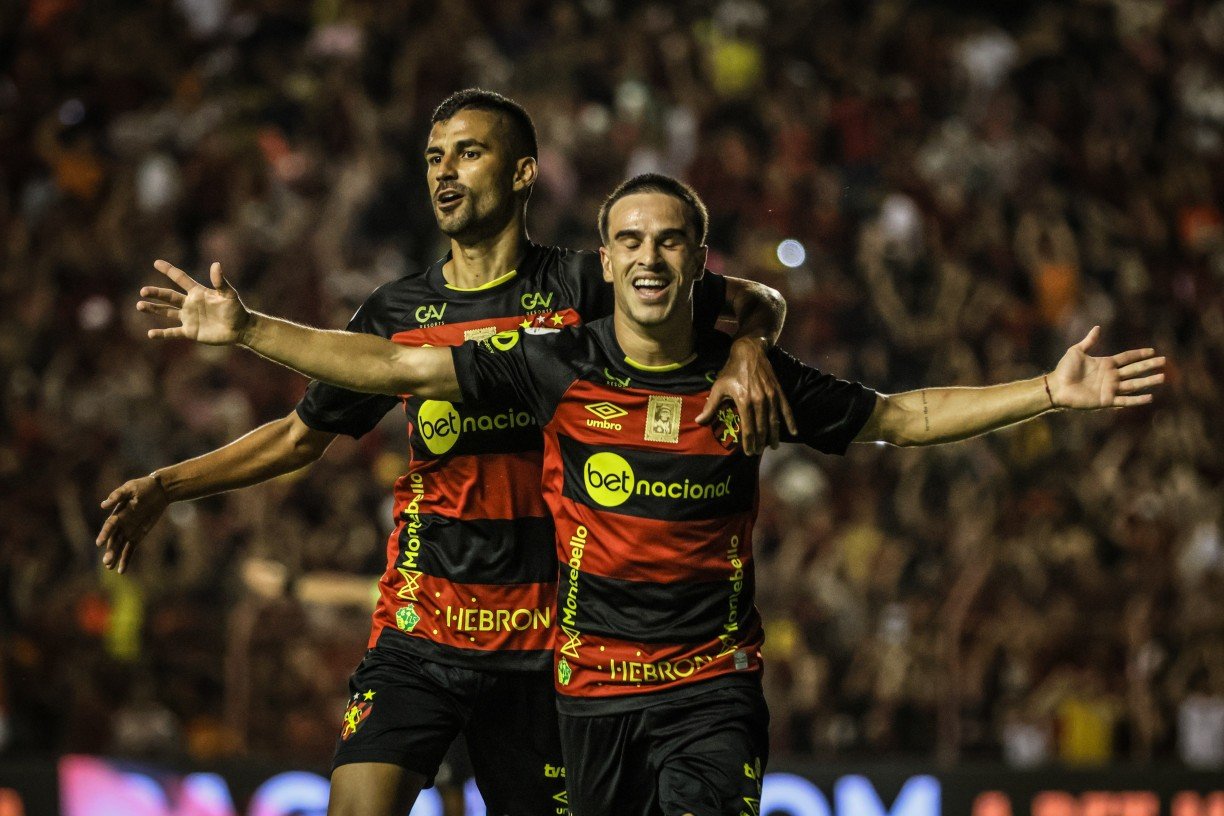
x: 526, y: 324
x: 558, y: 320
x: 369, y: 695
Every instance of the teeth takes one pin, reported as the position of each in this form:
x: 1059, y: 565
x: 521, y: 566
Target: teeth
x: 649, y: 282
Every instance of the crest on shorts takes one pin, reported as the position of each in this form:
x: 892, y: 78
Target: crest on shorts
x: 358, y: 710
x: 663, y: 419
x: 726, y: 427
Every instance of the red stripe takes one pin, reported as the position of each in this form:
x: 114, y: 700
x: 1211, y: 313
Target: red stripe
x: 484, y: 486
x: 602, y: 667
x: 657, y: 550
x: 480, y: 617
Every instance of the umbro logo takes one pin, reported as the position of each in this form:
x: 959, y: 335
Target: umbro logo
x: 606, y: 411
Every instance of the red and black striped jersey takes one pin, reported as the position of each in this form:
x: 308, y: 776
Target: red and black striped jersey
x: 653, y: 512
x: 471, y: 577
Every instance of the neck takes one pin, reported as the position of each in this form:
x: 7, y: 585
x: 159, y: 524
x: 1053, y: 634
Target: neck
x: 661, y: 344
x: 474, y: 264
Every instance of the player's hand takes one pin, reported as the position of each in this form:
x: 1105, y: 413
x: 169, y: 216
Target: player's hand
x: 1085, y: 382
x: 135, y: 506
x: 215, y: 316
x: 748, y: 381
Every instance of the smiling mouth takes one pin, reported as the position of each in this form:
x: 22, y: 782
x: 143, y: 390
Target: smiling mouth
x: 651, y: 289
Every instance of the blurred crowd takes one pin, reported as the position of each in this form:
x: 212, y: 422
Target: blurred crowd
x: 944, y: 196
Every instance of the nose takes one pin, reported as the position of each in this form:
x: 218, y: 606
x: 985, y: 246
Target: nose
x: 446, y: 169
x: 650, y: 258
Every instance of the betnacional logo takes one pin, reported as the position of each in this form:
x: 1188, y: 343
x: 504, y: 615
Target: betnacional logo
x: 610, y: 481
x: 440, y: 426
x: 359, y: 709
x: 608, y: 478
x: 430, y: 313
x: 606, y: 411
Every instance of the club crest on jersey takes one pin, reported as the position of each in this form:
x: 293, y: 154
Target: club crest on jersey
x: 726, y: 427
x: 430, y: 313
x: 663, y: 419
x: 359, y: 709
x: 406, y: 618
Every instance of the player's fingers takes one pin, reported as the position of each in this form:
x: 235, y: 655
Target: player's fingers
x: 773, y: 424
x: 119, y: 495
x: 160, y: 294
x: 108, y: 555
x: 157, y: 309
x: 1131, y: 355
x: 788, y: 415
x: 218, y: 280
x: 124, y: 555
x: 109, y: 528
x: 1141, y: 367
x: 1140, y: 383
x: 717, y: 395
x: 171, y: 333
x: 1126, y: 402
x: 748, y: 425
x: 175, y: 274
x: 1089, y: 339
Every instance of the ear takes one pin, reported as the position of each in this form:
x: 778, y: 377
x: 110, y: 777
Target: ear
x: 703, y: 254
x: 525, y: 170
x: 606, y: 264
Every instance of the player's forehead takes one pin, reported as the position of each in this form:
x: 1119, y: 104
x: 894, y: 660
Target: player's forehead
x: 482, y: 126
x: 649, y: 212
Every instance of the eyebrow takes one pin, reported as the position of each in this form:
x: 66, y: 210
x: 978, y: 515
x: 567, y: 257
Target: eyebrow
x: 661, y: 236
x: 460, y: 146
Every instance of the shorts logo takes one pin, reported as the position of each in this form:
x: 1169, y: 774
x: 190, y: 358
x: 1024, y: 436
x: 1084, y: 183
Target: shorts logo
x: 359, y: 709
x: 663, y: 419
x: 564, y: 672
x: 406, y: 618
x: 606, y: 411
x: 609, y: 479
x: 727, y: 428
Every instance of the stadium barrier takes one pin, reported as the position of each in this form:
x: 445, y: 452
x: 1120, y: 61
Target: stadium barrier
x: 78, y: 785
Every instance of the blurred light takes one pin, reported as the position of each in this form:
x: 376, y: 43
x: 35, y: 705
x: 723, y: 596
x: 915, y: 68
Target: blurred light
x: 95, y: 313
x: 791, y: 253
x: 71, y: 112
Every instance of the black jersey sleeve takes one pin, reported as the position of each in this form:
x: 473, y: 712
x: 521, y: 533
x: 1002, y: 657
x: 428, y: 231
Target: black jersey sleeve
x: 583, y: 274
x: 525, y: 369
x: 340, y: 411
x: 829, y: 412
x: 709, y: 297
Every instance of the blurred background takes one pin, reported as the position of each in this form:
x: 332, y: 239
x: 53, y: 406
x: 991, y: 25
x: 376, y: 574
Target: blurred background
x: 944, y: 194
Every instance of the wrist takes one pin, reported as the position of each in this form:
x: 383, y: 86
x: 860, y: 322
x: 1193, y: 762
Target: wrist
x: 1049, y: 392
x: 756, y: 342
x: 248, y: 334
x: 159, y: 480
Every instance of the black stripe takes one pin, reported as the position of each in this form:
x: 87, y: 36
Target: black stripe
x: 648, y: 612
x: 658, y: 484
x: 483, y: 551
x: 397, y: 643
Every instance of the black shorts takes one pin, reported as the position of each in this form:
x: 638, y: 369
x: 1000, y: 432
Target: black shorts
x: 702, y: 755
x: 407, y: 711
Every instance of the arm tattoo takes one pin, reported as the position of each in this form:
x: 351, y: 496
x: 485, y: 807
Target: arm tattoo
x: 926, y: 413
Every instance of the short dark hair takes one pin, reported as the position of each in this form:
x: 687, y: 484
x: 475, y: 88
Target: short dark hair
x: 698, y: 215
x: 522, y: 129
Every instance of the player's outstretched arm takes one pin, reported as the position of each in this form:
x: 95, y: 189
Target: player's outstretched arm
x: 748, y: 378
x: 933, y: 415
x: 270, y: 450
x: 358, y: 362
